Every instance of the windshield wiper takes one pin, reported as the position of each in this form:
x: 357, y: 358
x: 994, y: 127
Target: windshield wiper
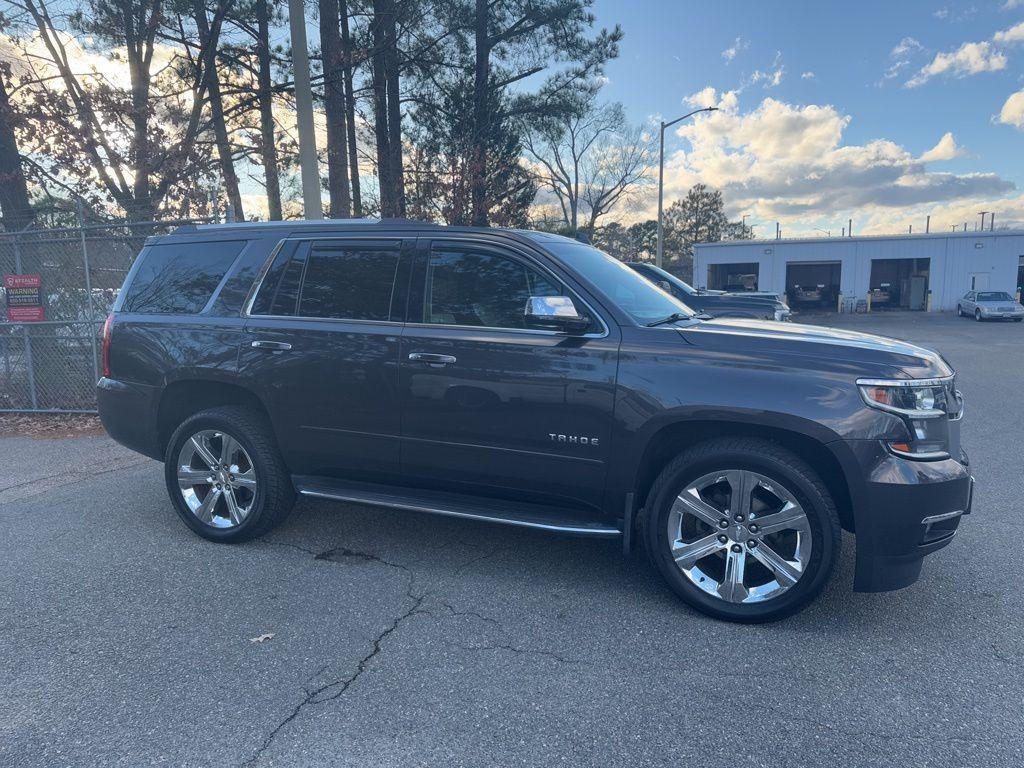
x: 673, y: 318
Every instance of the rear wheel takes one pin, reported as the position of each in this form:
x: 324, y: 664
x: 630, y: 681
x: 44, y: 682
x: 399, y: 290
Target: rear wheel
x: 742, y: 529
x: 225, y: 476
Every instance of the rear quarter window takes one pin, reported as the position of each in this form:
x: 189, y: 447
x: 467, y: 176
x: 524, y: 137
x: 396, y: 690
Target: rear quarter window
x: 179, y: 278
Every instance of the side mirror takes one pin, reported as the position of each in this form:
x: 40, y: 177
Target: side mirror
x: 556, y: 313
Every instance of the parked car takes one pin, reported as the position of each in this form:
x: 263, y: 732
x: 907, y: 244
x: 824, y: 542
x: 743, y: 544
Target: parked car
x: 528, y: 379
x: 990, y: 305
x: 717, y: 303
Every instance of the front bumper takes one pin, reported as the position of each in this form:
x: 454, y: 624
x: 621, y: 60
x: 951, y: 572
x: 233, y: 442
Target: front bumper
x: 911, y: 509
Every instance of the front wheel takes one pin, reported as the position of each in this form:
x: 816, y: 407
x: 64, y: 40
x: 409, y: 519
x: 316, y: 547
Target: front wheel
x: 225, y: 475
x: 959, y: 311
x: 977, y: 315
x: 742, y: 529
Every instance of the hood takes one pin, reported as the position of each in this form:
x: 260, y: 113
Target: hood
x: 810, y: 346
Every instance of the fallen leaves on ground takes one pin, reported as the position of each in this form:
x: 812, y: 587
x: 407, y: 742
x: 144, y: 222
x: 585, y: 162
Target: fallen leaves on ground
x: 261, y: 638
x: 50, y: 425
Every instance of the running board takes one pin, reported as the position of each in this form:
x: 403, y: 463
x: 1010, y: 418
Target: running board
x: 524, y: 515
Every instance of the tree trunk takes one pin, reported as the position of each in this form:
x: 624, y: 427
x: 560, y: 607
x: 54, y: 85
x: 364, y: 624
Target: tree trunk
x: 481, y: 122
x: 388, y: 209
x: 268, y: 150
x: 350, y: 110
x: 392, y: 67
x: 334, y: 107
x: 220, y: 128
x: 15, y: 208
x: 142, y: 207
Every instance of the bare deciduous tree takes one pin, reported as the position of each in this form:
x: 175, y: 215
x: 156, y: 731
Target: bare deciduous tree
x: 592, y: 162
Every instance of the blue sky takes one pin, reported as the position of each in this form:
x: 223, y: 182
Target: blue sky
x: 862, y: 91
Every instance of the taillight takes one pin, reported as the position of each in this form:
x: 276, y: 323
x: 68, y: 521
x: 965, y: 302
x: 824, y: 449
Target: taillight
x: 107, y: 328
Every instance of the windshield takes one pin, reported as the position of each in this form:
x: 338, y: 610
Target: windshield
x: 661, y: 274
x: 634, y: 294
x: 994, y: 296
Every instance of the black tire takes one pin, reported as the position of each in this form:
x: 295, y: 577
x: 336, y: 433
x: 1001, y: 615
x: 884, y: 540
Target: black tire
x: 766, y: 458
x: 274, y: 496
x: 959, y: 311
x: 977, y: 315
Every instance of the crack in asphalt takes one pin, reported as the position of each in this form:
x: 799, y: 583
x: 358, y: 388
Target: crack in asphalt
x: 337, y: 687
x: 456, y: 612
x: 332, y: 690
x: 521, y: 651
x: 76, y: 476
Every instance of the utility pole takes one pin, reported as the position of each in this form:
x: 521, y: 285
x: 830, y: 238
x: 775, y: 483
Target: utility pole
x: 312, y: 203
x: 661, y: 173
x: 927, y: 224
x: 983, y: 214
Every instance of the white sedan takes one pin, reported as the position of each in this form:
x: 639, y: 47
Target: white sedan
x: 990, y: 305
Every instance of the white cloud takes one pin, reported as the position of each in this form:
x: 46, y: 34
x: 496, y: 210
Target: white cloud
x: 738, y: 45
x: 1014, y: 34
x: 788, y: 162
x: 945, y: 149
x: 771, y: 77
x: 1009, y: 5
x: 807, y: 76
x: 942, y: 13
x: 1012, y: 112
x: 905, y: 46
x: 706, y: 97
x: 968, y: 59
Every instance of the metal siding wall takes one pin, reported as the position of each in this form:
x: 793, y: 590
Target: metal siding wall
x: 952, y: 259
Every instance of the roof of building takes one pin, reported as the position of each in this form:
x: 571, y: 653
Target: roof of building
x: 856, y: 238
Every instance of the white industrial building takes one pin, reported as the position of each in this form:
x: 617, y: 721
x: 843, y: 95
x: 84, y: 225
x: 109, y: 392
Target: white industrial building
x: 909, y: 272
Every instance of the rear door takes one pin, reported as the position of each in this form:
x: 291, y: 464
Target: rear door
x: 491, y: 406
x: 321, y: 349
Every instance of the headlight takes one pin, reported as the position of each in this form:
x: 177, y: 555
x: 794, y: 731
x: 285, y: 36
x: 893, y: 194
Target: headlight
x: 922, y: 404
x: 917, y: 398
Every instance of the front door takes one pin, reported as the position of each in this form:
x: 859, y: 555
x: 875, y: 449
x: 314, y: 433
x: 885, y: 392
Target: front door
x: 489, y: 405
x: 321, y: 350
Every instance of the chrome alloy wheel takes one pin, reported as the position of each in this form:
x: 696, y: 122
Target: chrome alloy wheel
x: 217, y: 478
x: 740, y: 536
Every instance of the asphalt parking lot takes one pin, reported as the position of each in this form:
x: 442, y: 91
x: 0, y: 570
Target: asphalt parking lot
x: 355, y: 636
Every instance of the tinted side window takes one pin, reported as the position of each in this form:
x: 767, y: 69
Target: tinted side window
x: 279, y: 292
x: 467, y: 287
x: 179, y: 278
x: 351, y: 282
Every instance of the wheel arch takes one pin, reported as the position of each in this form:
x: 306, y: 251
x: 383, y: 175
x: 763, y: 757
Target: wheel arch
x: 184, y: 397
x: 673, y: 438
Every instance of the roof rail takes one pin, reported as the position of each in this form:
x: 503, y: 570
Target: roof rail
x: 287, y: 223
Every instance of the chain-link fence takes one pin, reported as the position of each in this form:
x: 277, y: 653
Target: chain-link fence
x: 52, y: 364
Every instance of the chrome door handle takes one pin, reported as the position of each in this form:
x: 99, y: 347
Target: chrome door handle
x: 272, y: 345
x: 435, y: 361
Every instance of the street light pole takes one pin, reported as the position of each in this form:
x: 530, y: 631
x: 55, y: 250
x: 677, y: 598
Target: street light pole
x: 661, y: 174
x: 312, y: 203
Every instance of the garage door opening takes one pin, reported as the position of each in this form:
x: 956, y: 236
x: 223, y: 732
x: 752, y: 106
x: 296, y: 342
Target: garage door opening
x: 813, y: 284
x: 899, y: 284
x: 733, y: 277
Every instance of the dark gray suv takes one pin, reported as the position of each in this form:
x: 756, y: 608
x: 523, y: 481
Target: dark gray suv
x: 527, y: 379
